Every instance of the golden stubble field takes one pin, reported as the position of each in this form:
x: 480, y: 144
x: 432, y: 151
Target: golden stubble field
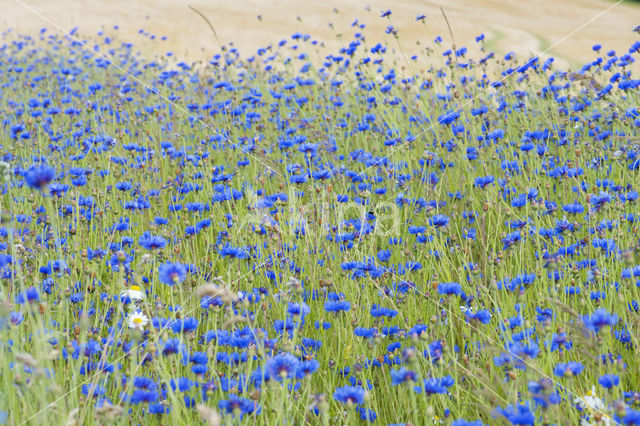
x: 525, y: 27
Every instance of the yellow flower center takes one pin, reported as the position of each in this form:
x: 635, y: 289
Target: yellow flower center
x: 135, y: 287
x: 137, y: 320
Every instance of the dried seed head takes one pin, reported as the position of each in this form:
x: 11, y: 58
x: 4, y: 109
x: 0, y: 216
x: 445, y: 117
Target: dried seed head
x: 209, y: 415
x: 27, y: 360
x: 212, y: 290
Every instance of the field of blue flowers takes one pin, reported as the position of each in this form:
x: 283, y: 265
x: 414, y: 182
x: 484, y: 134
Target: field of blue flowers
x: 309, y: 238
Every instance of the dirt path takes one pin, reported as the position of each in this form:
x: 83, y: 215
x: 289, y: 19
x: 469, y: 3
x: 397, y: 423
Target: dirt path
x: 526, y: 27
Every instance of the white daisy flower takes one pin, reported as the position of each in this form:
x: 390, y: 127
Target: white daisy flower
x: 134, y: 293
x: 137, y: 320
x: 593, y: 404
x: 465, y: 309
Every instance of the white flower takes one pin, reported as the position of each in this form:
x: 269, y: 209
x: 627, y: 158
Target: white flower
x: 137, y: 320
x: 133, y: 293
x: 594, y: 404
x: 465, y: 309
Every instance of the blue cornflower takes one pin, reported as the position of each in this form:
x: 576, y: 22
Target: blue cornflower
x: 337, y: 305
x: 90, y: 349
x: 233, y: 252
x: 144, y: 383
x: 449, y: 118
x: 159, y: 408
x: 483, y: 316
x: 367, y: 414
x: 367, y: 333
x: 159, y: 221
x: 439, y: 221
x: 350, y: 395
x: 599, y: 200
x: 199, y: 358
x: 511, y: 239
x: 38, y: 176
x: 384, y: 255
x: 391, y: 30
x: 517, y: 415
x: 378, y: 311
x: 403, y: 375
x: 306, y: 368
x: 92, y: 390
x: 392, y: 347
x: 199, y: 369
x: 143, y: 395
x: 544, y: 400
x: 182, y: 384
x: 172, y: 273
x: 236, y: 404
x: 298, y: 309
x: 609, y: 380
x: 29, y: 295
x: 600, y: 318
x: 76, y: 297
x: 573, y: 208
x: 560, y: 342
x: 628, y: 417
x: 541, y: 393
x: 283, y: 366
x: 449, y: 289
x: 184, y: 325
x: 568, y: 369
x: 436, y: 385
x: 152, y: 242
x: 483, y: 181
x: 308, y: 148
x: 172, y: 346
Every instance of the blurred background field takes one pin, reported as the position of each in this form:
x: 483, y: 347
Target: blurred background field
x: 525, y: 27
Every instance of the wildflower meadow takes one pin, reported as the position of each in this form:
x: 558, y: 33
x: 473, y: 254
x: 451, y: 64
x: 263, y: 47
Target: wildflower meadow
x: 302, y: 236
